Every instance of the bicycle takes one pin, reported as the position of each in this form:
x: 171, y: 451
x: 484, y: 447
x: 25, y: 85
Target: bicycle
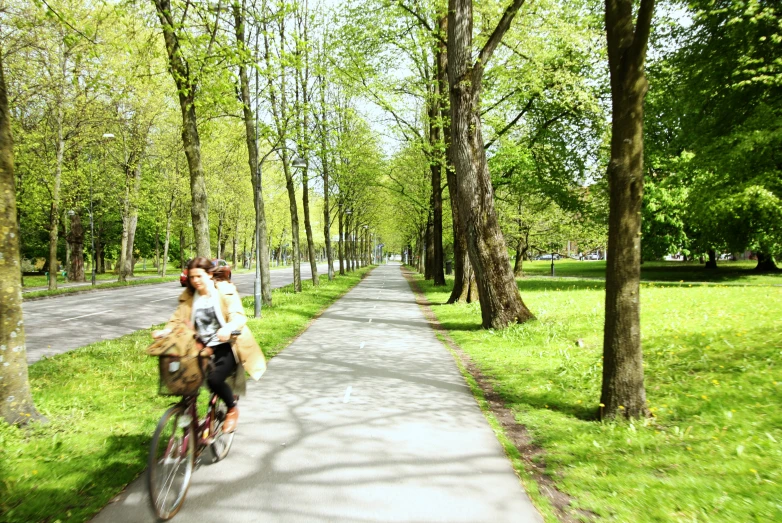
x: 177, y: 444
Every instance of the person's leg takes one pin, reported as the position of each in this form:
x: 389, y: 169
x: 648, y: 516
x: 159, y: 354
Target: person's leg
x: 224, y: 365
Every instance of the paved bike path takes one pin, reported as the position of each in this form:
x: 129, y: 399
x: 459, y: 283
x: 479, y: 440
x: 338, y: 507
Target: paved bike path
x: 364, y: 418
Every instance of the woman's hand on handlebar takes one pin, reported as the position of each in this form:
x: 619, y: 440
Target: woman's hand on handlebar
x: 224, y: 334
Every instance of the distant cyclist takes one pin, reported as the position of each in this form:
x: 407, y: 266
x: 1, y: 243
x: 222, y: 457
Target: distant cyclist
x: 214, y: 309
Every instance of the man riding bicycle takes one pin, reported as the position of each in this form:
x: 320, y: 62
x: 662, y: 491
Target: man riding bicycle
x: 214, y: 309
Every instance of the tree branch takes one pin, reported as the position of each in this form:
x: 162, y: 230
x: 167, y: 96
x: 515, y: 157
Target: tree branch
x: 512, y: 123
x: 500, y: 101
x: 496, y: 37
x: 642, y: 28
x: 423, y: 22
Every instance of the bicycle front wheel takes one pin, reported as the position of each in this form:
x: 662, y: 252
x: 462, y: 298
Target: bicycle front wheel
x: 171, y: 462
x: 221, y: 441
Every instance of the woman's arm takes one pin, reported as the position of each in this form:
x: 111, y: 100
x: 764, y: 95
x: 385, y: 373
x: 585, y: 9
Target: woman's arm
x: 234, y: 310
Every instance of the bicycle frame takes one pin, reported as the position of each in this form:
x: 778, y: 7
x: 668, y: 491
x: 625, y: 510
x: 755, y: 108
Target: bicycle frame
x: 203, y: 428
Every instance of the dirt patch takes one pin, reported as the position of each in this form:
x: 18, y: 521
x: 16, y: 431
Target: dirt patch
x: 532, y: 455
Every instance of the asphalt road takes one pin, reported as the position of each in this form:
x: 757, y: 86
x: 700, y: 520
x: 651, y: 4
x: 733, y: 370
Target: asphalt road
x: 364, y: 418
x: 59, y: 324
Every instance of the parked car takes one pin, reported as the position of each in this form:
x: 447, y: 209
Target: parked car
x: 547, y: 257
x: 222, y: 270
x: 222, y: 267
x: 183, y: 274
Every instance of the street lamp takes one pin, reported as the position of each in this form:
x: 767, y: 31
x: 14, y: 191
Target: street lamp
x: 297, y: 163
x: 106, y: 137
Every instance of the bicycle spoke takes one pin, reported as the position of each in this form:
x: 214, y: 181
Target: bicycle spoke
x: 170, y: 463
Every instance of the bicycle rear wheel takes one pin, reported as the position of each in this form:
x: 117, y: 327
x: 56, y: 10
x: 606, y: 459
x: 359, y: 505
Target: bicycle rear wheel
x: 171, y: 462
x: 221, y: 441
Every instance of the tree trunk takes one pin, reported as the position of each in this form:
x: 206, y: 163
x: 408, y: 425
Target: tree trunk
x: 16, y: 402
x: 712, y: 263
x: 220, y: 220
x: 157, y: 248
x: 186, y: 89
x: 280, y: 116
x: 54, y: 219
x: 182, y: 247
x: 765, y: 262
x: 252, y: 150
x: 422, y: 249
x: 123, y: 247
x: 464, y: 287
x: 348, y: 242
x: 100, y: 253
x: 437, y: 163
x: 130, y: 260
x: 623, y: 390
x: 500, y: 301
x: 324, y: 160
x: 67, y: 244
x: 429, y: 243
x: 517, y: 264
x: 341, y: 243
x: 75, y: 238
x: 294, y: 210
x: 235, y: 245
x: 304, y: 143
x: 355, y: 246
x: 165, y: 246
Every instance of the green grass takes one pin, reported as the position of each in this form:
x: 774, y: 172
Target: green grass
x: 713, y: 451
x: 740, y: 272
x: 41, y: 281
x: 100, y: 424
x: 87, y: 288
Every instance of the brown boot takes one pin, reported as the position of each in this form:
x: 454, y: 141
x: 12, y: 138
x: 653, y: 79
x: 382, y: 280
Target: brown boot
x: 231, y: 420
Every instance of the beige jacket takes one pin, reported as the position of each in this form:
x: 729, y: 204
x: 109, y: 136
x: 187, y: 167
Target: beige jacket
x: 245, y: 349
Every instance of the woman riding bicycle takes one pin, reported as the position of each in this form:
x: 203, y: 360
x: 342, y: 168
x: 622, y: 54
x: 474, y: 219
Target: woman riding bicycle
x: 214, y: 309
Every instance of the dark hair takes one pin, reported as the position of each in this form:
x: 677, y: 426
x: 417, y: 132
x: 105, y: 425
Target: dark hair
x: 199, y: 262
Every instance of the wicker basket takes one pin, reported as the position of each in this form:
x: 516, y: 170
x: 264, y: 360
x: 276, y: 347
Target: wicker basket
x: 181, y: 375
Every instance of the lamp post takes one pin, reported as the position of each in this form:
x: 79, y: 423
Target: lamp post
x: 106, y: 137
x: 297, y: 163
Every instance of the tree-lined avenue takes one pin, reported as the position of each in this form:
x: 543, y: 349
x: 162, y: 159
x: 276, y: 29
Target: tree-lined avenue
x: 59, y: 324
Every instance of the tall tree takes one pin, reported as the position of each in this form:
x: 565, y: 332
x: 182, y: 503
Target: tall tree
x: 303, y: 109
x: 16, y: 402
x: 623, y: 374
x: 500, y: 300
x: 464, y: 287
x: 244, y: 57
x: 322, y: 68
x: 186, y: 80
x: 278, y: 99
x: 712, y: 130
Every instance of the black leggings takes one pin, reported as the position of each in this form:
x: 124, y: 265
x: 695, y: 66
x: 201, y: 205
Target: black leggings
x: 223, y: 365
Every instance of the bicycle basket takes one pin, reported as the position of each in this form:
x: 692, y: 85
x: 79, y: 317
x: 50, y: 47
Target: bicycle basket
x: 181, y: 375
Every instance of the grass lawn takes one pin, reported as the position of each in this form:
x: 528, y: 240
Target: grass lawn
x: 713, y: 450
x: 104, y: 285
x: 102, y: 406
x: 740, y: 272
x: 40, y: 281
